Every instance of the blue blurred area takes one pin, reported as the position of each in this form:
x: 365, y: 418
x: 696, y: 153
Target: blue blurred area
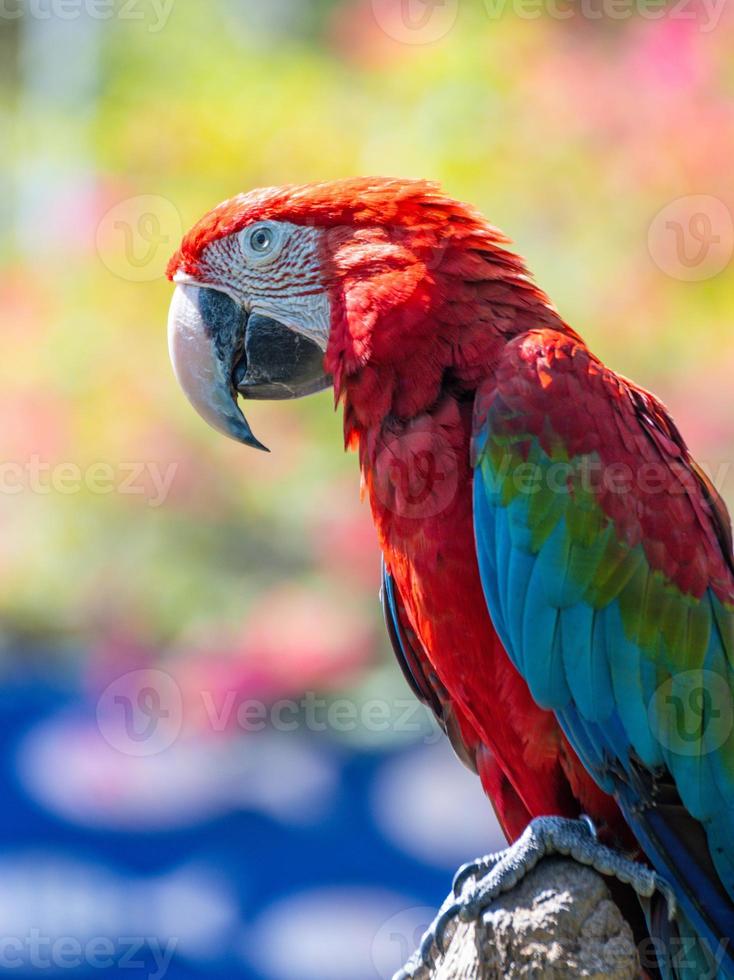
x: 263, y: 856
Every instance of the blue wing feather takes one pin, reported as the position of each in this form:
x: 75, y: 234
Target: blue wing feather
x: 616, y: 650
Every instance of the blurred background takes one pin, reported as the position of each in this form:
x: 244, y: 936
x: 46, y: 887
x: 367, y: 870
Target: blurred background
x: 210, y: 764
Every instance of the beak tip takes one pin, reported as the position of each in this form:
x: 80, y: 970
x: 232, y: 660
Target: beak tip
x: 238, y: 428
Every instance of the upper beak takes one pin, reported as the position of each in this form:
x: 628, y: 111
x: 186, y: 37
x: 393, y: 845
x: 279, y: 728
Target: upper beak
x: 218, y: 351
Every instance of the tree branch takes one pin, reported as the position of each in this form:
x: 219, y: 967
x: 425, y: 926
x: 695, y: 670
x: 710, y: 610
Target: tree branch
x: 558, y: 922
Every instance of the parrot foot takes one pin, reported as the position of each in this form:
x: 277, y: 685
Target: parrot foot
x: 478, y: 883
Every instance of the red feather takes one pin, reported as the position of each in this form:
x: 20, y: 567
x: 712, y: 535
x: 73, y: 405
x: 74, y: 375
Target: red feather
x: 425, y: 298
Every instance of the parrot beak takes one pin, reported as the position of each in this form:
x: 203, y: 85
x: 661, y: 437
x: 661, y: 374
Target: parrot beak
x: 219, y: 351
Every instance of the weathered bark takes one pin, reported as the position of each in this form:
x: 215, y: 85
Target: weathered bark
x: 559, y: 922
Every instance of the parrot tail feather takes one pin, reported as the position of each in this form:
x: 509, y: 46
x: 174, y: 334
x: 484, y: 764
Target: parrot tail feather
x: 699, y: 942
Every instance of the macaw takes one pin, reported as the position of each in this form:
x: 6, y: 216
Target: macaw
x: 558, y: 573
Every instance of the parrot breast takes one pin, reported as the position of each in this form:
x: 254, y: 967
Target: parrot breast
x: 418, y: 478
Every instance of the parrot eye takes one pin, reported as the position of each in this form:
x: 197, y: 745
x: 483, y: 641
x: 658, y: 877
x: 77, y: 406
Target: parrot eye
x: 260, y: 240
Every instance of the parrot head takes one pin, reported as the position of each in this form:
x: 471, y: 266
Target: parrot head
x: 284, y: 291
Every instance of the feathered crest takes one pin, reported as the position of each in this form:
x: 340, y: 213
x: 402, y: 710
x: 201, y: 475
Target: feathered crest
x: 355, y: 201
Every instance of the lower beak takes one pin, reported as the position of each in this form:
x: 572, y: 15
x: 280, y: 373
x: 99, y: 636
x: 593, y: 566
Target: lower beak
x: 218, y: 352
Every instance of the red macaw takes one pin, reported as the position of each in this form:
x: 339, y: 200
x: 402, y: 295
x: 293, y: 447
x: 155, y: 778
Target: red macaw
x: 559, y: 579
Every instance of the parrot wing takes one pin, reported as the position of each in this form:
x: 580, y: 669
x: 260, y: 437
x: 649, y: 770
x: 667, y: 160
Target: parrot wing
x: 422, y: 678
x: 606, y: 560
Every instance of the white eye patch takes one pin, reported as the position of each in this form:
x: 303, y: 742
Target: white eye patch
x: 274, y: 268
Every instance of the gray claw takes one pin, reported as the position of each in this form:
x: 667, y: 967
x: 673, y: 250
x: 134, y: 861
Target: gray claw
x: 465, y: 872
x: 427, y: 944
x: 584, y: 818
x: 472, y: 869
x: 442, y: 923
